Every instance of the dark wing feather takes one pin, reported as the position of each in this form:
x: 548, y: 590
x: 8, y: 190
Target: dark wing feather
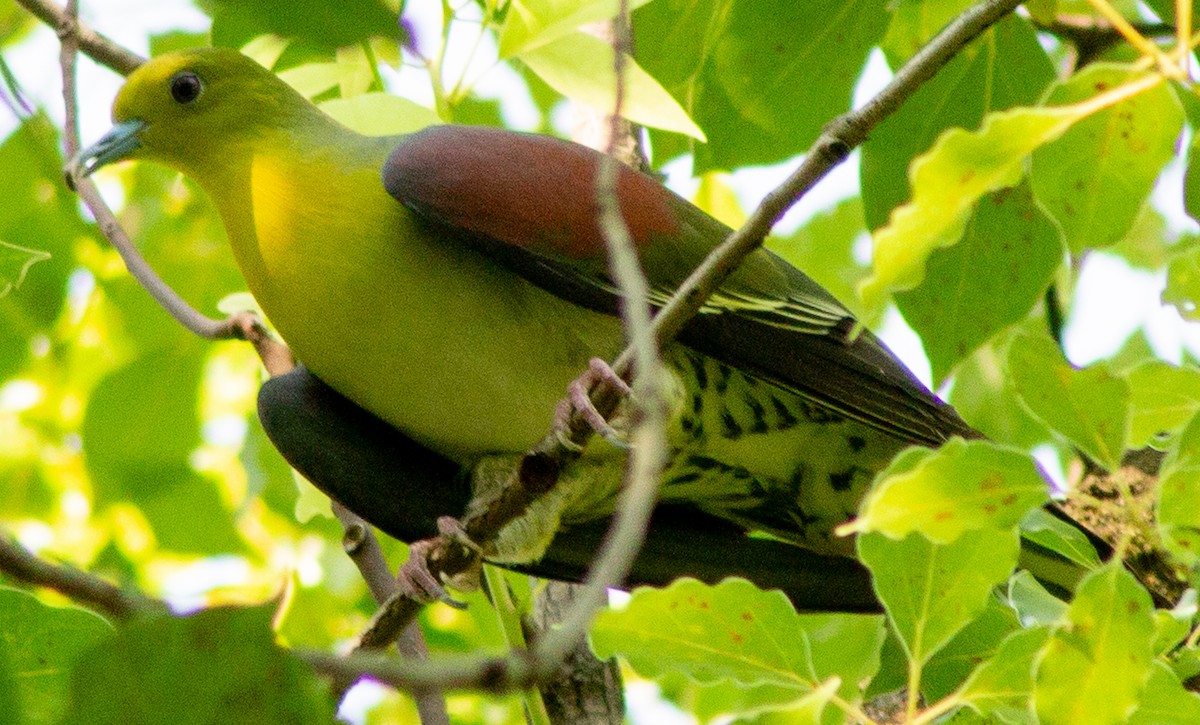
x: 402, y: 488
x: 528, y: 202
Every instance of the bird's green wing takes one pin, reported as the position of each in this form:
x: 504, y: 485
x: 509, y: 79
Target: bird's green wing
x: 529, y: 202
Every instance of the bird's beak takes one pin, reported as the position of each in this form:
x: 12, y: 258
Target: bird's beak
x: 115, y: 145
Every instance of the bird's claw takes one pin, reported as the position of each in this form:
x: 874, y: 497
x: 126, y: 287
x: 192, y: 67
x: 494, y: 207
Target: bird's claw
x: 415, y: 579
x: 578, y: 401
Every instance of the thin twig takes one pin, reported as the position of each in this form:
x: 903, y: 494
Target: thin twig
x: 648, y: 453
x: 361, y: 545
x: 78, y: 585
x: 237, y: 326
x: 539, y: 469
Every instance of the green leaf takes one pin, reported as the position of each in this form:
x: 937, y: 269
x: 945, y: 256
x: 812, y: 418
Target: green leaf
x: 949, y: 668
x: 931, y: 591
x: 1173, y: 625
x: 989, y: 280
x: 42, y: 644
x: 983, y: 393
x: 1093, y: 668
x: 10, y: 701
x: 141, y: 424
x: 1089, y: 407
x: 1032, y: 603
x: 731, y: 631
x: 530, y: 23
x: 948, y: 180
x: 1166, y: 701
x: 1149, y: 243
x: 761, y: 79
x: 139, y: 430
x: 915, y: 22
x: 219, y: 666
x: 1043, y: 528
x: 1005, y: 680
x: 1005, y: 67
x: 1162, y: 399
x: 1191, y: 180
x: 808, y: 710
x: 39, y: 214
x: 964, y: 486
x: 313, y: 79
x: 316, y: 22
x: 580, y: 67
x: 1177, y: 510
x: 1094, y: 179
x: 380, y: 114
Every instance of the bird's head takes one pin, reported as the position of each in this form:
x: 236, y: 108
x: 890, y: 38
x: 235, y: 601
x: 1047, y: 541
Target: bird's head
x: 192, y: 109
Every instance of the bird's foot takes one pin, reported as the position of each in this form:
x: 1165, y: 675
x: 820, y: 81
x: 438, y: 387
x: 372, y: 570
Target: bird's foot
x: 578, y: 401
x: 415, y: 579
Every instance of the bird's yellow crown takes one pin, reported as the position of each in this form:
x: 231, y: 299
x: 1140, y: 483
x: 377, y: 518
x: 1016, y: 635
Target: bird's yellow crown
x: 187, y: 99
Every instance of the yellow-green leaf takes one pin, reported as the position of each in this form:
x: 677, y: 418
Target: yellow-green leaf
x: 1093, y: 669
x: 728, y: 632
x: 961, y: 167
x: 530, y: 23
x: 1090, y: 407
x: 947, y: 181
x: 1162, y: 398
x: 963, y: 486
x: 380, y: 114
x: 1095, y: 178
x: 580, y: 67
x: 1178, y: 507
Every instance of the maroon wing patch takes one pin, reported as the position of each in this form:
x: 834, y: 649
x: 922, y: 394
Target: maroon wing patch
x: 530, y: 191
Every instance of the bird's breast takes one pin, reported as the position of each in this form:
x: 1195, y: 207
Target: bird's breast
x: 463, y: 355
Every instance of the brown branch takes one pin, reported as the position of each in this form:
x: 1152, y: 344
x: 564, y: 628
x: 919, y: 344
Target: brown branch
x: 73, y: 36
x: 80, y: 586
x: 361, y: 545
x: 358, y: 541
x: 99, y: 48
x: 493, y: 675
x: 1093, y: 36
x: 498, y: 675
x: 539, y: 469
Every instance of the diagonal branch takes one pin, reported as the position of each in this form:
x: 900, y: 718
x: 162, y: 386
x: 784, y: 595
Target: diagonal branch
x: 80, y: 586
x: 540, y: 468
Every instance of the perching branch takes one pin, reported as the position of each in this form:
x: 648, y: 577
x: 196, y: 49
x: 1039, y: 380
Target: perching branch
x: 361, y: 545
x: 540, y: 468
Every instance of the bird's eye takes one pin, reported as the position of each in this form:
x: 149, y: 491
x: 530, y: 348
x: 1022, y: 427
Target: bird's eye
x: 186, y: 87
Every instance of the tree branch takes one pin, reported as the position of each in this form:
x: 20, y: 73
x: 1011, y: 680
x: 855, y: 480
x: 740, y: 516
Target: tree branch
x: 78, y: 585
x: 96, y: 46
x: 540, y: 467
x: 361, y: 545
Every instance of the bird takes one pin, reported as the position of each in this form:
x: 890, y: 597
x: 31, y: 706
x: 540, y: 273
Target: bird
x: 452, y: 282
